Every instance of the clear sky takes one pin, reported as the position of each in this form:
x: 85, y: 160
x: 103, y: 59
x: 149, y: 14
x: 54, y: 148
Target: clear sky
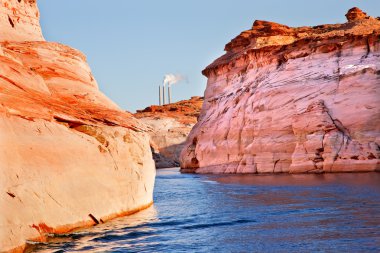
x: 131, y: 45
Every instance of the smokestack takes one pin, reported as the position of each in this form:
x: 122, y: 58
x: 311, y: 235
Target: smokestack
x: 170, y: 79
x: 163, y: 93
x: 169, y: 94
x: 160, y: 94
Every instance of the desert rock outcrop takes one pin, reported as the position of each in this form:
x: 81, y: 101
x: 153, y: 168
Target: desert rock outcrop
x: 292, y: 100
x: 169, y: 127
x: 355, y: 14
x: 19, y: 21
x: 69, y: 157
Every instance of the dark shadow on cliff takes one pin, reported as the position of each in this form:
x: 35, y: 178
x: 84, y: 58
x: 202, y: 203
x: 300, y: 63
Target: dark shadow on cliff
x: 167, y: 157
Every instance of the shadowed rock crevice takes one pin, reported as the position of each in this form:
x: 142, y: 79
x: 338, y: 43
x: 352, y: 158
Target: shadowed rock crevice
x: 163, y: 161
x: 11, y: 22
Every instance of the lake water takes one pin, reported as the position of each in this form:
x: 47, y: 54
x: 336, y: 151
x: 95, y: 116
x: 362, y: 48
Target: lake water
x: 235, y: 213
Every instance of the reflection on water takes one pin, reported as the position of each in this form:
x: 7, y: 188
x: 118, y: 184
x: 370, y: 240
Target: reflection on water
x: 234, y: 213
x: 105, y: 237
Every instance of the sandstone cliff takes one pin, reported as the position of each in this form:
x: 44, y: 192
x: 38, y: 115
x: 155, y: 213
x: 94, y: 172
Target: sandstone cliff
x: 69, y: 157
x: 169, y: 127
x: 292, y: 100
x: 19, y: 21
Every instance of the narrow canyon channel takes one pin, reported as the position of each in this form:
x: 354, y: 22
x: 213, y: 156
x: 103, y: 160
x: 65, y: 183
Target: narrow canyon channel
x: 235, y: 213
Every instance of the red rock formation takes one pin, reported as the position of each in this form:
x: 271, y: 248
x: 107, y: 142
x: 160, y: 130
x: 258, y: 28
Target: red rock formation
x: 170, y: 125
x: 19, y: 21
x: 355, y: 14
x: 66, y: 150
x: 292, y: 100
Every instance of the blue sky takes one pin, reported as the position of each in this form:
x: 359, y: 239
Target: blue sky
x: 131, y: 45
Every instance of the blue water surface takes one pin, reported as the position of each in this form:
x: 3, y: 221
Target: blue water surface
x: 243, y: 213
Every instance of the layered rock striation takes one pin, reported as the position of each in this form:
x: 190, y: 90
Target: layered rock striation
x: 69, y: 156
x: 292, y: 100
x: 169, y: 125
x: 19, y: 21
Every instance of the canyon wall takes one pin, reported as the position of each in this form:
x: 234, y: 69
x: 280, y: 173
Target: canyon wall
x: 69, y: 156
x: 20, y: 21
x: 292, y: 100
x: 169, y: 125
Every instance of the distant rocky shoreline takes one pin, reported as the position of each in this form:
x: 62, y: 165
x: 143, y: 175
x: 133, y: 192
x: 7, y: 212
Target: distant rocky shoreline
x: 169, y: 127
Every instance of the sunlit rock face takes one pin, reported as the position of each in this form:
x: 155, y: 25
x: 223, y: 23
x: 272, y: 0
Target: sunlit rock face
x: 69, y: 157
x: 292, y: 100
x: 19, y: 20
x: 169, y: 125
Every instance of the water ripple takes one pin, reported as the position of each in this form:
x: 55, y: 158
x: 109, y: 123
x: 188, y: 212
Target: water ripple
x: 232, y: 213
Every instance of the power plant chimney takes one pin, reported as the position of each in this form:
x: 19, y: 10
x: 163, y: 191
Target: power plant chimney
x: 163, y: 93
x: 169, y: 94
x: 160, y: 94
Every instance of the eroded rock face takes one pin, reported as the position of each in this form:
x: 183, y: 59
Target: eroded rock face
x: 292, y: 100
x: 355, y: 14
x: 169, y: 127
x: 19, y: 21
x: 69, y: 156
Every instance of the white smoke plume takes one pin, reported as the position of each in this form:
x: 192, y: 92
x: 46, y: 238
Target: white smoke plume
x: 173, y: 78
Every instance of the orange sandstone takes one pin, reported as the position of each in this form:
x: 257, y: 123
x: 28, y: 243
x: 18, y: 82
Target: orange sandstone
x: 69, y: 156
x: 19, y: 21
